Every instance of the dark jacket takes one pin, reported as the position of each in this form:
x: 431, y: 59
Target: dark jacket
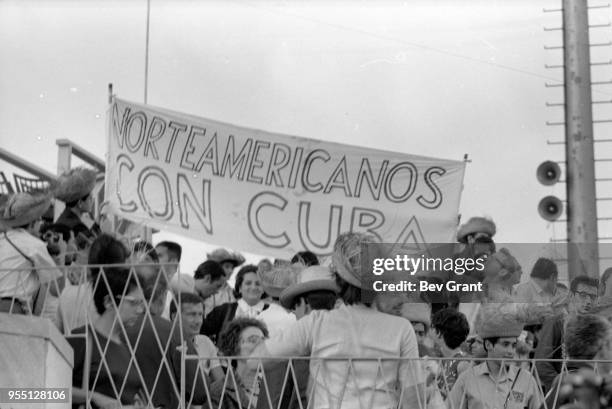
x: 150, y: 356
x: 71, y: 220
x: 219, y: 317
x: 550, y: 347
x: 553, y: 400
x: 217, y: 320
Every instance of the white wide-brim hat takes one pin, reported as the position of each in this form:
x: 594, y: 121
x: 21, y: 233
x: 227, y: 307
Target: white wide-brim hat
x: 313, y: 278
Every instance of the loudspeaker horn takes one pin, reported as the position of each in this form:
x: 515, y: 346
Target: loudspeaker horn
x: 548, y: 173
x: 550, y: 208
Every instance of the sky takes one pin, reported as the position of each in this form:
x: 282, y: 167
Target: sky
x: 439, y: 79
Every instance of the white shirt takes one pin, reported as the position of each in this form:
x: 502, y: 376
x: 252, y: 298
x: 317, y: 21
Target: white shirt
x: 17, y: 279
x: 75, y: 303
x: 249, y: 311
x: 531, y: 292
x: 359, y: 332
x: 206, y: 349
x: 277, y: 319
x: 178, y: 283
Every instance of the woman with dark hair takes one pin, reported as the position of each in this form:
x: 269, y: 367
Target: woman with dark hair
x: 249, y: 293
x: 239, y: 339
x: 106, y: 360
x: 358, y: 351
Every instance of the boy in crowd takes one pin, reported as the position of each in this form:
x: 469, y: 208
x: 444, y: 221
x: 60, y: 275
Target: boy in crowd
x: 496, y: 383
x: 192, y: 316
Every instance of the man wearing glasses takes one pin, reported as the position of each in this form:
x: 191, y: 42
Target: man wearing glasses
x: 583, y: 295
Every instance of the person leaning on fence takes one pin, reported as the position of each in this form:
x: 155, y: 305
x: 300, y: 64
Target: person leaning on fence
x: 192, y: 315
x: 243, y: 386
x: 583, y: 294
x: 106, y: 361
x: 356, y: 331
x: 158, y: 343
x: 496, y: 383
x: 28, y: 271
x: 588, y: 337
x: 74, y: 188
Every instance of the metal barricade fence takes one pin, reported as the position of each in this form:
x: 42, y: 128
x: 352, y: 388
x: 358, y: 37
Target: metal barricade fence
x: 125, y: 352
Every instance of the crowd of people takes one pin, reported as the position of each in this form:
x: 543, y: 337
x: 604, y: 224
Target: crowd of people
x: 301, y: 332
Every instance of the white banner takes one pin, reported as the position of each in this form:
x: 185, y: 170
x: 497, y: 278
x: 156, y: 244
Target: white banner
x: 268, y: 193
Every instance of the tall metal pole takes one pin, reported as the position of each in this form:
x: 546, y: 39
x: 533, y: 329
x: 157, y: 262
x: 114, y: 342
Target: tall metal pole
x: 583, y: 254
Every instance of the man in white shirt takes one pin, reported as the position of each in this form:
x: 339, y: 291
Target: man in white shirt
x: 360, y: 357
x: 541, y: 287
x: 496, y: 383
x: 192, y: 316
x: 26, y: 264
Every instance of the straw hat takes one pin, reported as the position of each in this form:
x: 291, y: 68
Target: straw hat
x: 500, y: 328
x: 476, y: 225
x: 502, y: 267
x: 22, y: 208
x: 310, y: 279
x: 347, y: 256
x: 277, y: 279
x: 75, y: 184
x: 222, y: 255
x: 496, y: 321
